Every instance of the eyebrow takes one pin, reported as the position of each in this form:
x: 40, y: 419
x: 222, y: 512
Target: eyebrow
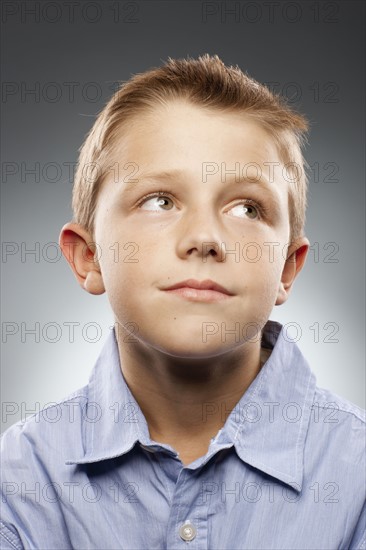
x: 169, y: 176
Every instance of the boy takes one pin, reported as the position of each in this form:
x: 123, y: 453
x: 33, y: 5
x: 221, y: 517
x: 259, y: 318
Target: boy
x: 202, y: 426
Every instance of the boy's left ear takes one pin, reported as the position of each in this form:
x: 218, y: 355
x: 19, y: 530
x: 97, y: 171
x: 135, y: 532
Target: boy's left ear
x: 296, y: 256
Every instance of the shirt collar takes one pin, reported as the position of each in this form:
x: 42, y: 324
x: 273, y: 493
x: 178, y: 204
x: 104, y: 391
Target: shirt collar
x: 115, y: 421
x: 268, y: 426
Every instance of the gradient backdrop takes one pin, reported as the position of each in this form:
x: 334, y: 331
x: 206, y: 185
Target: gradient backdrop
x: 60, y: 64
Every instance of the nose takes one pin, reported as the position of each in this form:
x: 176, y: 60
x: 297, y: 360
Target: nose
x: 200, y: 236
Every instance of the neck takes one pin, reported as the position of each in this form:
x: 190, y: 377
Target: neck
x: 184, y: 399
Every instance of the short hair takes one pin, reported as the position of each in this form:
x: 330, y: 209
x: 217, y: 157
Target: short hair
x: 206, y: 82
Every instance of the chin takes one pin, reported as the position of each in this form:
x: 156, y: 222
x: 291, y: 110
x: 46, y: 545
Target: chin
x: 190, y: 348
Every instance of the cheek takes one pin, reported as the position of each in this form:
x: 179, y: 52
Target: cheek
x: 122, y: 276
x: 265, y: 274
x: 128, y: 273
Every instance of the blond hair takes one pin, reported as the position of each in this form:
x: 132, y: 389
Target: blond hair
x: 206, y: 82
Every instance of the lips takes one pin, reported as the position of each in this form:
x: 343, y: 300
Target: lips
x: 207, y: 284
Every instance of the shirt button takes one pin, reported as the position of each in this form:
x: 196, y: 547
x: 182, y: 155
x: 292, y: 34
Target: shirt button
x: 187, y: 531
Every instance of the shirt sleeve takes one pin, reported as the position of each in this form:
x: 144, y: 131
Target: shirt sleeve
x: 9, y: 538
x: 359, y: 536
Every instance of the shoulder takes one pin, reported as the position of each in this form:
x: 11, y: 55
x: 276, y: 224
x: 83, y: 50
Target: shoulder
x: 34, y: 452
x: 337, y: 407
x: 337, y: 433
x: 54, y: 428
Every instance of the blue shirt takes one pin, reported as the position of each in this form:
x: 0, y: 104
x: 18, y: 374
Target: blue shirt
x: 287, y: 470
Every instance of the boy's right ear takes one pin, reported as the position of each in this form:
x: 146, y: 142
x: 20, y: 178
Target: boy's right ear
x: 81, y: 253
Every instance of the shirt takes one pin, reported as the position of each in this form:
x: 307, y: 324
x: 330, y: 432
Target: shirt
x: 286, y: 471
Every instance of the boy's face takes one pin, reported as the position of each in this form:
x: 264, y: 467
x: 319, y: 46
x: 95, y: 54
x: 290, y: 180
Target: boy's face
x: 203, y: 227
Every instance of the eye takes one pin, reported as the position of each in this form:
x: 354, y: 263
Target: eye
x: 246, y: 210
x: 160, y: 198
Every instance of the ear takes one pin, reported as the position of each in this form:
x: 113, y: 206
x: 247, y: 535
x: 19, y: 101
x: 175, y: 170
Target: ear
x: 296, y: 256
x: 82, y: 255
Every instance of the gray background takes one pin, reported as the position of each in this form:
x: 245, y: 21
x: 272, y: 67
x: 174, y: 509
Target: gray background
x: 314, y: 51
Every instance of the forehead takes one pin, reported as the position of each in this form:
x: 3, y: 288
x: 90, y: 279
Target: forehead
x: 226, y: 134
x: 189, y: 140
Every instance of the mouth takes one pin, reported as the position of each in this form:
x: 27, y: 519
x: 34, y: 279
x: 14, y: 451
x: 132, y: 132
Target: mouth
x: 199, y: 291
